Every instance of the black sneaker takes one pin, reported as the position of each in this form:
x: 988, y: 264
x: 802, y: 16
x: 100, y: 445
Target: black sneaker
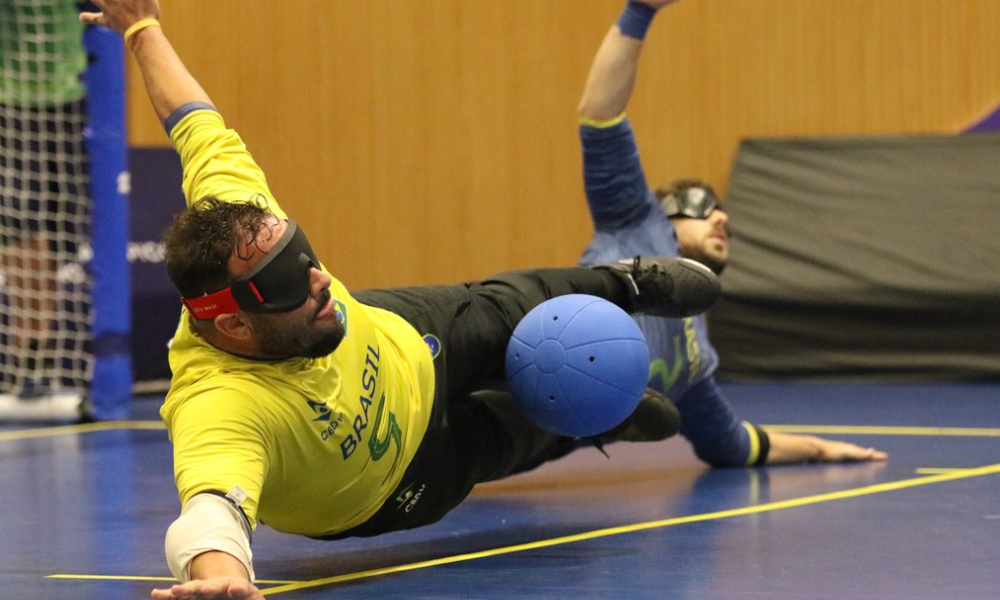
x: 669, y: 287
x: 653, y: 420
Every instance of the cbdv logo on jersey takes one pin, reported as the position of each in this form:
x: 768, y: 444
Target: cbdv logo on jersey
x: 327, y: 419
x: 322, y: 411
x: 407, y: 499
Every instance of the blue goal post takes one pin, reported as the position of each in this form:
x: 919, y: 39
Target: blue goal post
x: 107, y: 145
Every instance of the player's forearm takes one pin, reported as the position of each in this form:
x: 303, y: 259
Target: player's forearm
x: 213, y: 564
x: 612, y: 74
x: 167, y: 80
x: 787, y: 449
x: 208, y: 527
x: 612, y: 77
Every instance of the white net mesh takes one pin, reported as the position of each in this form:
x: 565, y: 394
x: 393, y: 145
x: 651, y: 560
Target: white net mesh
x: 44, y: 202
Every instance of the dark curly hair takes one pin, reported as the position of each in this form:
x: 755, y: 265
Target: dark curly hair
x: 202, y: 238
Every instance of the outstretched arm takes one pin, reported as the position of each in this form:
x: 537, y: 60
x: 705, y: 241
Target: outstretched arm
x: 612, y: 74
x: 617, y: 193
x: 167, y: 80
x: 208, y: 549
x: 722, y: 440
x: 213, y: 574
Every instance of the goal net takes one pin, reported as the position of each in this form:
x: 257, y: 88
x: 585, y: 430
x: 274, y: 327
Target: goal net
x: 48, y: 182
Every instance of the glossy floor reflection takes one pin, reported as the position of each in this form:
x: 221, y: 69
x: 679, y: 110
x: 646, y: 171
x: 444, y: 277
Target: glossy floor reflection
x: 86, y: 507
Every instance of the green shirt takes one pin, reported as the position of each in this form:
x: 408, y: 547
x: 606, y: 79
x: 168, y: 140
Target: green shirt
x: 41, y: 53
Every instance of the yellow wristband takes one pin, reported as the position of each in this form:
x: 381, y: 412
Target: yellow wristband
x: 601, y: 123
x: 137, y: 27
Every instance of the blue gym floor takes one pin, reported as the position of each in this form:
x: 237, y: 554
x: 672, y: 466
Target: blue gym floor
x: 85, y: 508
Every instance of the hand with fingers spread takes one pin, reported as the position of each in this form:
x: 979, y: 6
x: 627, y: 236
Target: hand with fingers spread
x: 214, y: 575
x: 119, y: 15
x: 788, y: 448
x: 221, y: 588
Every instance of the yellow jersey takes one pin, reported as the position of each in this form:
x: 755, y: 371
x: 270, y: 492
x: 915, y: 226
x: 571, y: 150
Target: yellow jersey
x: 316, y: 445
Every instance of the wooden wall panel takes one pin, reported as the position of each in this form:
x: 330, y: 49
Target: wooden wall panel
x: 427, y: 141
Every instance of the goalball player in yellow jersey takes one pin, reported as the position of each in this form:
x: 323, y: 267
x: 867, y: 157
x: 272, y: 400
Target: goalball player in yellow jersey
x: 321, y: 412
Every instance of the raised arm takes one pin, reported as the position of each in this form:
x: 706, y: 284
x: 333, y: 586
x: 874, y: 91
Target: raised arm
x: 613, y: 71
x: 167, y: 80
x: 207, y: 523
x: 617, y: 192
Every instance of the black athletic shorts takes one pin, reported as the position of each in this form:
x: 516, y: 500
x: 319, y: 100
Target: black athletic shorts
x: 476, y: 433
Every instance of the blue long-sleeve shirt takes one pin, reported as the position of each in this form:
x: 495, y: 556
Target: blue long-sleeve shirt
x: 628, y: 221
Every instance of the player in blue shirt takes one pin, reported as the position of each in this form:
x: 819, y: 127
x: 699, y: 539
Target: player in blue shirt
x: 684, y: 219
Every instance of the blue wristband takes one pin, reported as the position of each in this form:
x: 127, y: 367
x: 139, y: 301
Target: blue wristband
x: 635, y: 19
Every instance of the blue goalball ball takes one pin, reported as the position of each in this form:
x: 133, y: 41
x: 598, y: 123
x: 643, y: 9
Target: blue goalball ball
x: 577, y: 365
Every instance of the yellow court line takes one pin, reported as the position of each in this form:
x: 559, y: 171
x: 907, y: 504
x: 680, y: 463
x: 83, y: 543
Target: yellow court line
x: 878, y: 430
x: 40, y: 432
x: 287, y: 586
x: 936, y: 470
x: 139, y: 578
x: 725, y: 514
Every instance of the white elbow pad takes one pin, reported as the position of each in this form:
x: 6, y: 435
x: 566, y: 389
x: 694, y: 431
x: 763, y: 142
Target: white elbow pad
x: 208, y: 522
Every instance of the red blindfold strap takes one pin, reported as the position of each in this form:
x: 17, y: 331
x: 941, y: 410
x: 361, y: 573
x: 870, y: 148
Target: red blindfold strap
x: 212, y: 305
x: 284, y: 292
